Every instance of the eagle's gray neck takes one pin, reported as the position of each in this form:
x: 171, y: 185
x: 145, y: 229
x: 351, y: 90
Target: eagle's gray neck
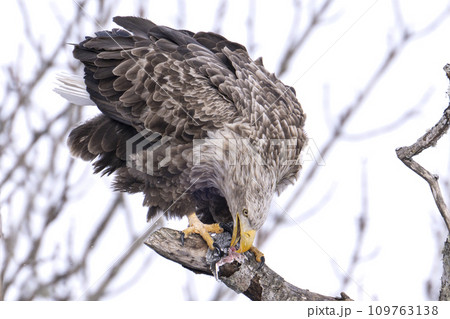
x: 237, y: 170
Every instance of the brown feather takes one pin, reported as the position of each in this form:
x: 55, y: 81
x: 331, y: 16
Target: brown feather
x: 179, y: 88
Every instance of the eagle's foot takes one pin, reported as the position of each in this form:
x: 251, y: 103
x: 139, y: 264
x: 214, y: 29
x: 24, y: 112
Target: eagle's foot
x: 258, y: 255
x: 197, y: 227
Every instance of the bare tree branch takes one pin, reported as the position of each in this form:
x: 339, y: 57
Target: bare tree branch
x: 361, y: 232
x: 296, y: 40
x: 429, y: 139
x: 250, y: 23
x: 405, y: 154
x: 445, y: 279
x: 1, y: 276
x: 114, y: 271
x: 395, y: 124
x: 220, y: 15
x: 257, y: 283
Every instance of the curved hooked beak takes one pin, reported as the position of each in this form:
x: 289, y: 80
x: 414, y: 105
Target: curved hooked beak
x: 242, y: 234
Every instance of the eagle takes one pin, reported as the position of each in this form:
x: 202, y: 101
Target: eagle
x: 189, y: 120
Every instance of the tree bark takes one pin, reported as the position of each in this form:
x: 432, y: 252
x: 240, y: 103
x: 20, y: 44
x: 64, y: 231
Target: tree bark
x: 445, y: 279
x: 247, y: 277
x: 405, y: 154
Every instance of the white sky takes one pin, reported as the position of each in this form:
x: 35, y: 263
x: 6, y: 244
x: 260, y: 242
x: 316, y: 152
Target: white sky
x: 400, y: 245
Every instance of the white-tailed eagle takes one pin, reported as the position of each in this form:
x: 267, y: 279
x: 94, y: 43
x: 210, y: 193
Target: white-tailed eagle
x: 213, y: 134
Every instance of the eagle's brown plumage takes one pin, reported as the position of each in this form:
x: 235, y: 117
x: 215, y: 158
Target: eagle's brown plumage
x: 190, y: 93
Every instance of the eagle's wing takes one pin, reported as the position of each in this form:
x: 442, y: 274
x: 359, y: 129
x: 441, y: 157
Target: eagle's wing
x: 171, y: 82
x: 180, y: 85
x: 154, y: 79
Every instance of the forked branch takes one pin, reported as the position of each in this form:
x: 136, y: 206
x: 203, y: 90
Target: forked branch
x: 430, y: 138
x: 405, y: 154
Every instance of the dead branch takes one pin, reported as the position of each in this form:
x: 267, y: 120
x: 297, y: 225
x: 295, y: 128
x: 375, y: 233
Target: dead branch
x: 257, y: 283
x: 405, y: 154
x: 296, y: 41
x: 445, y: 279
x: 430, y: 138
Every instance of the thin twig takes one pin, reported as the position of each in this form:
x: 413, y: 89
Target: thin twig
x: 297, y: 41
x: 361, y: 230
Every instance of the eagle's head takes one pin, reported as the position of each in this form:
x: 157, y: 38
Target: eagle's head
x: 250, y: 189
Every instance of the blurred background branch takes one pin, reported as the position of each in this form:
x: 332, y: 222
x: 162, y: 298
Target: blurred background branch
x: 37, y: 181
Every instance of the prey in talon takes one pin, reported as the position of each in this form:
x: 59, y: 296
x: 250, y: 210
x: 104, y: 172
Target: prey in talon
x: 223, y: 253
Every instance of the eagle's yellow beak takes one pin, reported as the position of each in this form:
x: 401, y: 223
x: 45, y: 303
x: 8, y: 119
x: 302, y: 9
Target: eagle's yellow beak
x: 241, y: 232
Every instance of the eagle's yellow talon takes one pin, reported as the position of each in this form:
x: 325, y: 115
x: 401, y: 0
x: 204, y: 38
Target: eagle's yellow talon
x: 258, y: 255
x: 197, y: 227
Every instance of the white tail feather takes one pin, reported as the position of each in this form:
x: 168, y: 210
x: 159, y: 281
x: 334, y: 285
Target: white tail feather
x: 72, y: 88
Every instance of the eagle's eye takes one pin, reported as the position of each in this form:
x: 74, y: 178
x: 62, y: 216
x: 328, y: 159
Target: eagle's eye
x: 245, y: 212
